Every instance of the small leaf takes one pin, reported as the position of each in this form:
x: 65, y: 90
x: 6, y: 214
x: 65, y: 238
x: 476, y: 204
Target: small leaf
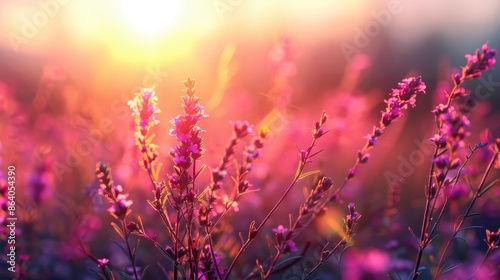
x: 140, y: 223
x: 303, y: 175
x: 413, y: 234
x: 297, y: 173
x: 152, y: 204
x: 136, y: 247
x: 118, y: 230
x: 200, y: 170
x: 317, y: 151
x: 471, y: 227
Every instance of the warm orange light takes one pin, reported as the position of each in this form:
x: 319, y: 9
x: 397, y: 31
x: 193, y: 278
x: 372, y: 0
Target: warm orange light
x: 150, y: 17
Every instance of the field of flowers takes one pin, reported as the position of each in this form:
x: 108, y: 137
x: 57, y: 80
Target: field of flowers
x: 247, y: 153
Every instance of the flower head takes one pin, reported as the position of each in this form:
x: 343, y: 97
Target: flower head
x: 144, y: 108
x: 403, y: 95
x: 120, y: 207
x: 102, y: 262
x: 478, y: 62
x: 492, y: 238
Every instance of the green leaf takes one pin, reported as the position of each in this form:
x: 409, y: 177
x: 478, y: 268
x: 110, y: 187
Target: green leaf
x: 97, y: 273
x: 118, y: 230
x: 308, y: 174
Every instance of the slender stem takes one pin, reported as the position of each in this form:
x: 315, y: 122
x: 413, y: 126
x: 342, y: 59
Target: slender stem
x: 488, y: 252
x: 130, y: 254
x: 456, y: 230
x: 325, y: 259
x: 280, y: 200
x: 216, y: 266
x: 424, y: 236
x: 455, y: 181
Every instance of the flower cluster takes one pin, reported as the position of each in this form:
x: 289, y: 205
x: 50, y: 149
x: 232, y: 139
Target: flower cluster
x: 453, y: 130
x: 351, y: 220
x: 252, y: 151
x: 403, y: 95
x: 240, y: 130
x: 187, y: 133
x: 120, y: 206
x: 144, y: 108
x: 310, y: 206
x: 478, y: 62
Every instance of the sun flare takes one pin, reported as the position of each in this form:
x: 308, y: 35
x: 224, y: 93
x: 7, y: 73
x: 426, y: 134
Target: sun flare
x: 150, y: 17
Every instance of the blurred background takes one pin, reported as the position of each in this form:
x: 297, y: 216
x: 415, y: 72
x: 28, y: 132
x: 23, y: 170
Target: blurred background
x: 68, y: 68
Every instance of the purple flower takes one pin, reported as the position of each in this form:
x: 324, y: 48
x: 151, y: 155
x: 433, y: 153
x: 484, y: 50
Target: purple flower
x: 492, y: 238
x: 478, y: 62
x: 144, y: 108
x: 280, y: 229
x: 406, y: 92
x: 120, y: 207
x: 403, y: 95
x: 102, y: 262
x: 241, y: 129
x: 454, y: 128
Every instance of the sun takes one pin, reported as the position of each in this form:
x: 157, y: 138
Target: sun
x: 150, y: 17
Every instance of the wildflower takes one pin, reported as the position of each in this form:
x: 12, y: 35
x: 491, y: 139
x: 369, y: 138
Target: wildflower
x: 102, y: 262
x: 187, y: 132
x: 103, y: 173
x: 352, y: 218
x: 252, y: 151
x: 454, y: 128
x: 492, y: 238
x: 120, y: 207
x: 133, y: 227
x: 402, y: 96
x: 280, y: 230
x: 289, y: 246
x: 144, y: 108
x: 478, y: 62
x: 241, y: 129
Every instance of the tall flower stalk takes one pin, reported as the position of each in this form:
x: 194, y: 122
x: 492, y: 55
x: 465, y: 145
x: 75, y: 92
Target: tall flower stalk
x: 452, y: 128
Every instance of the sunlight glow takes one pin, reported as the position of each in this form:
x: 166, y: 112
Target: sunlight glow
x: 150, y: 17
